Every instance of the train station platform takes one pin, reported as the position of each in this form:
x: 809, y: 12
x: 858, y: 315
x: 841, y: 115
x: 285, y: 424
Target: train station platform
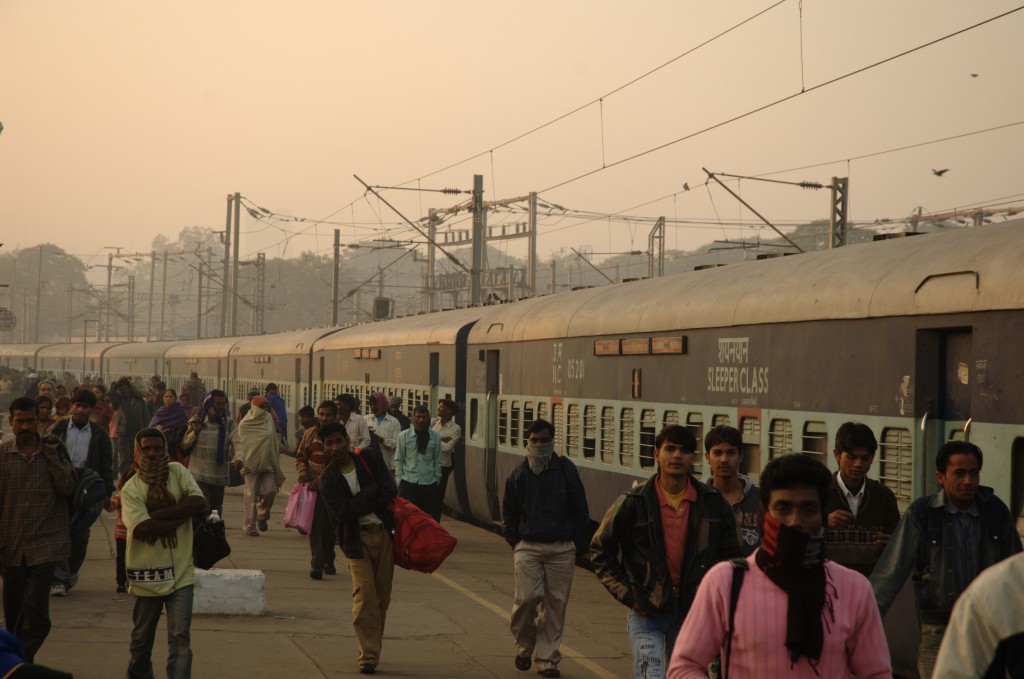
x: 452, y: 623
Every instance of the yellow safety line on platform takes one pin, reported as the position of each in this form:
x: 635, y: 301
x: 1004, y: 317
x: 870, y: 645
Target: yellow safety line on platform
x: 567, y: 651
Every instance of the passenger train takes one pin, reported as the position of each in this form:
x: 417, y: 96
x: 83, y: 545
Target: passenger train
x: 918, y: 337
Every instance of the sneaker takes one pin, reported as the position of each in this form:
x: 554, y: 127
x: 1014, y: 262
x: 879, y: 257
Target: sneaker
x: 72, y: 580
x: 121, y: 589
x: 263, y: 526
x: 59, y: 589
x: 329, y: 569
x: 316, y: 573
x: 251, y: 533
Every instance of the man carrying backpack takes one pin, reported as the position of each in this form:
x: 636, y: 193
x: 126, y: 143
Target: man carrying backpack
x: 89, y: 447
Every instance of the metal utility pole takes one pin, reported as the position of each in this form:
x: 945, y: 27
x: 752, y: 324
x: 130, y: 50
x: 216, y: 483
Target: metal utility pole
x: 261, y: 278
x: 432, y: 234
x: 131, y: 308
x: 67, y: 325
x: 531, y: 257
x: 553, y: 287
x: 163, y: 297
x: 234, y: 271
x: 656, y: 249
x: 224, y: 276
x: 152, y: 285
x: 837, y: 220
x: 39, y: 295
x: 199, y: 304
x: 335, y: 292
x: 479, y: 239
x: 106, y: 312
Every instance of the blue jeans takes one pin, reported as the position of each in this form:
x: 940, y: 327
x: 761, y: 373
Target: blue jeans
x: 652, y: 638
x: 146, y: 615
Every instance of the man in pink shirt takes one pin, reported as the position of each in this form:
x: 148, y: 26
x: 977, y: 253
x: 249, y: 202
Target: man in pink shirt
x: 795, y: 614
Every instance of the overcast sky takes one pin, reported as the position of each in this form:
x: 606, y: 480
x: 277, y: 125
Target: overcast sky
x: 126, y: 120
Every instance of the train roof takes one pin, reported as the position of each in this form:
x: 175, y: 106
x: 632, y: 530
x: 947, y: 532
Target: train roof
x: 279, y: 343
x: 214, y: 347
x: 75, y: 350
x: 973, y: 269
x: 20, y: 350
x: 140, y: 349
x: 434, y: 328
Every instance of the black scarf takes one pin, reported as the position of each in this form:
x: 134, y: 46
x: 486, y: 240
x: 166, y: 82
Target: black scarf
x: 422, y: 439
x: 795, y: 562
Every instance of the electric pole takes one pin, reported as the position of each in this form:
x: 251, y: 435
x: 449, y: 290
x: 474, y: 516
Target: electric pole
x: 224, y: 276
x: 234, y: 272
x: 479, y: 239
x: 837, y: 220
x: 335, y: 294
x: 152, y: 284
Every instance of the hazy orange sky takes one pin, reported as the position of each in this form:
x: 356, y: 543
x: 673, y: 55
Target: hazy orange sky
x: 125, y: 120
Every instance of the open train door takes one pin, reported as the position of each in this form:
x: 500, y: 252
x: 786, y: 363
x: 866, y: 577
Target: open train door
x: 493, y: 386
x: 945, y: 367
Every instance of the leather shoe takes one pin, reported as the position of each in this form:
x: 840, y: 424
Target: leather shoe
x: 329, y: 569
x: 549, y: 672
x: 316, y: 574
x: 523, y: 664
x: 367, y: 669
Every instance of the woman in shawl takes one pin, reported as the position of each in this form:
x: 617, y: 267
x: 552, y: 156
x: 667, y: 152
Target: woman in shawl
x: 257, y: 449
x: 171, y: 418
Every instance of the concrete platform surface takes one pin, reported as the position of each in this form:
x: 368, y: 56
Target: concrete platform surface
x: 452, y: 623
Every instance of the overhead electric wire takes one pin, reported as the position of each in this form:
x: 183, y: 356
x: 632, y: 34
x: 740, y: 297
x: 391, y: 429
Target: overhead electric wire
x: 784, y: 99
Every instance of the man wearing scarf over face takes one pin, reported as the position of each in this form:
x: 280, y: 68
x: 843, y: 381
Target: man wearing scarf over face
x: 208, y: 442
x: 158, y: 500
x: 545, y: 519
x: 798, y: 614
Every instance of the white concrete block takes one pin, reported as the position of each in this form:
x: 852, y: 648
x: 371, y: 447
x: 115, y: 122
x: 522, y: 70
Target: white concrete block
x: 229, y: 591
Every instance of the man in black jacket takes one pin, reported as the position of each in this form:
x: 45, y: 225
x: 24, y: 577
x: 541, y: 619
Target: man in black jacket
x: 655, y: 544
x: 356, y: 491
x: 88, y: 446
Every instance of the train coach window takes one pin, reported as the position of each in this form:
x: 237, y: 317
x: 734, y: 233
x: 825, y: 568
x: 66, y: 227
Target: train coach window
x: 719, y: 420
x: 695, y: 423
x: 542, y: 410
x: 513, y: 427
x: 607, y: 435
x: 627, y: 431
x: 502, y: 421
x: 648, y: 433
x: 816, y: 441
x: 750, y: 429
x: 527, y: 418
x: 895, y: 464
x: 589, y: 432
x: 780, y: 438
x: 572, y: 440
x: 671, y: 417
x: 474, y: 416
x: 558, y: 421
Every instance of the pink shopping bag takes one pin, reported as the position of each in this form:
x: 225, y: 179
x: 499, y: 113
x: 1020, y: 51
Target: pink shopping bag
x: 301, y: 505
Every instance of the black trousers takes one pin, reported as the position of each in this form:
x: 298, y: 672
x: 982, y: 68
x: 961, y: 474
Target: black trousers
x: 423, y: 496
x: 322, y: 536
x: 27, y: 603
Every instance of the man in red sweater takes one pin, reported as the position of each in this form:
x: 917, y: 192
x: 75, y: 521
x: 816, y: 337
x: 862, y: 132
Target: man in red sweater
x: 794, y: 614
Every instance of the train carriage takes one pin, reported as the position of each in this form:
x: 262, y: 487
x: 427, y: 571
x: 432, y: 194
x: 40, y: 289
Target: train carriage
x: 208, y: 358
x: 137, y: 360
x: 77, y: 358
x: 20, y: 356
x: 284, y: 358
x: 420, y: 358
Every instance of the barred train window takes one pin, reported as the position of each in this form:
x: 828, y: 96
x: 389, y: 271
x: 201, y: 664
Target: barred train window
x: 513, y: 427
x: 558, y: 421
x: 750, y: 429
x: 895, y: 464
x: 607, y: 435
x: 718, y: 420
x: 589, y: 432
x: 816, y: 440
x: 627, y: 429
x: 502, y: 421
x: 671, y: 417
x: 542, y: 410
x: 527, y: 419
x: 695, y: 423
x: 780, y: 438
x: 573, y: 426
x: 648, y: 434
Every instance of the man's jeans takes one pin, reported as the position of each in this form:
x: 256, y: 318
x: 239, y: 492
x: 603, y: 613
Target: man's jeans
x: 178, y: 605
x: 652, y: 638
x: 66, y: 569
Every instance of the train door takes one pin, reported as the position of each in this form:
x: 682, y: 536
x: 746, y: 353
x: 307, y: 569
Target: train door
x: 1017, y: 482
x: 435, y: 378
x: 944, y: 382
x: 493, y: 384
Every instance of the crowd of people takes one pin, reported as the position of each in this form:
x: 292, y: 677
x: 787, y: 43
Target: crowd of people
x: 720, y: 578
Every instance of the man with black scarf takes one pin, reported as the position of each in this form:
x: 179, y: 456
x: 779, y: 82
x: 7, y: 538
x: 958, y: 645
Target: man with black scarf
x: 796, y: 614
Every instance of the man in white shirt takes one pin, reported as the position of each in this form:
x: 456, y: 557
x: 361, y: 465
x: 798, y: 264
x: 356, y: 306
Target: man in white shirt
x: 355, y: 424
x: 450, y: 433
x: 384, y: 428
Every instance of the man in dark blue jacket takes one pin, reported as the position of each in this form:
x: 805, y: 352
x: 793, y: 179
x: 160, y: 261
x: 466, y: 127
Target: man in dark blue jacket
x: 945, y: 539
x: 545, y: 518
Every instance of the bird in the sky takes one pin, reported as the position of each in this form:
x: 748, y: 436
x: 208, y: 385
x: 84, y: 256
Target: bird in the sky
x: 939, y: 173
x: 974, y: 75
x: 686, y: 186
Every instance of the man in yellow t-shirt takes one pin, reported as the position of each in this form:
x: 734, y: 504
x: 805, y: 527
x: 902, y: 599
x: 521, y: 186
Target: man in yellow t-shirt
x: 159, y: 499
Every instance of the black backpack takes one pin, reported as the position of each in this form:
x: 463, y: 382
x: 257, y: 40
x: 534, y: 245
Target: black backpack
x: 87, y: 502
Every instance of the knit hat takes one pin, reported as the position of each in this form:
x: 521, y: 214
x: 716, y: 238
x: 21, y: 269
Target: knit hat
x: 395, y: 402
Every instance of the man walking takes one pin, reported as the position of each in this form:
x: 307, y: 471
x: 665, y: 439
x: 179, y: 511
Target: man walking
x: 208, y: 441
x: 655, y: 544
x: 723, y: 450
x: 136, y: 416
x: 310, y: 461
x: 357, y: 492
x: 785, y: 611
x: 35, y: 482
x: 279, y: 407
x: 945, y: 540
x: 88, y: 446
x: 257, y: 447
x: 862, y: 513
x: 348, y: 415
x: 158, y: 499
x: 545, y: 518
